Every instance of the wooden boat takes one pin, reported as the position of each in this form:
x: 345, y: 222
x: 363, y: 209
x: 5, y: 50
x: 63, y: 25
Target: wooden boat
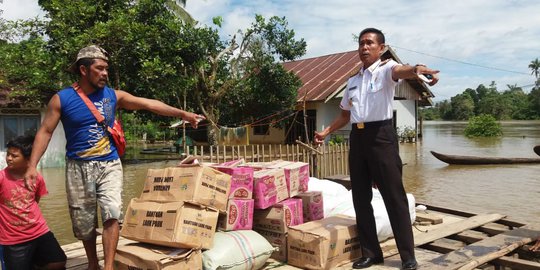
x: 444, y: 239
x: 537, y: 149
x: 475, y: 160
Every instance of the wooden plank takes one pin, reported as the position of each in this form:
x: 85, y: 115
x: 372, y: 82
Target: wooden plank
x: 429, y: 217
x: 513, y: 263
x: 394, y: 262
x: 444, y: 231
x: 471, y: 256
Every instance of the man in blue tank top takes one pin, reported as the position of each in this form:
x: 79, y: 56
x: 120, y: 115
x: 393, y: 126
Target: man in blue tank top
x: 93, y: 169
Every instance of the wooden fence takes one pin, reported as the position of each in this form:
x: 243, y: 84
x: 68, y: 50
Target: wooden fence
x: 331, y: 160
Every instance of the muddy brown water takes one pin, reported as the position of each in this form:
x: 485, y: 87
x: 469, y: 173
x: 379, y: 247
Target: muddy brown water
x: 513, y: 190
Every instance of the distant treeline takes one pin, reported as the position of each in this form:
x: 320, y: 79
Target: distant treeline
x: 512, y: 103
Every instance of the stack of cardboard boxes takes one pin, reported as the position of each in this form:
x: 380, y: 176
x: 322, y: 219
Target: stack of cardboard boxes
x: 240, y: 204
x: 178, y: 208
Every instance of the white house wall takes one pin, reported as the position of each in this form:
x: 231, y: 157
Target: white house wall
x: 55, y: 154
x: 405, y: 113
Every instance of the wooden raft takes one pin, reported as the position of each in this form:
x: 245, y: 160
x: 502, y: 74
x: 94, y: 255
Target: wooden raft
x: 447, y: 239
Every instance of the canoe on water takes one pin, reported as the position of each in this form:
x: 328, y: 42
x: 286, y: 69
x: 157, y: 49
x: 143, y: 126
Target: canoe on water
x: 475, y: 160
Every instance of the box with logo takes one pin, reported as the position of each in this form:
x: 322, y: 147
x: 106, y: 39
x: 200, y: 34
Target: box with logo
x: 172, y: 224
x: 269, y: 187
x: 280, y: 216
x: 277, y: 240
x: 152, y: 257
x: 239, y: 215
x: 195, y: 183
x: 296, y: 175
x: 241, y: 181
x: 312, y: 202
x: 323, y: 244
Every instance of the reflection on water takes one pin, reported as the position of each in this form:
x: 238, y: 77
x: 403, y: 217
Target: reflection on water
x: 513, y: 190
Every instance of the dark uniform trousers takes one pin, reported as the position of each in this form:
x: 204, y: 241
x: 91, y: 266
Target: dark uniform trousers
x: 374, y: 157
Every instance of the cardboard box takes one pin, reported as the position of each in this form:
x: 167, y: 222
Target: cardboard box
x: 323, y: 244
x: 298, y: 171
x: 296, y: 175
x: 172, y: 224
x: 269, y: 187
x: 280, y: 216
x: 278, y: 240
x: 239, y: 215
x: 151, y: 257
x: 241, y: 181
x: 187, y: 182
x: 312, y: 202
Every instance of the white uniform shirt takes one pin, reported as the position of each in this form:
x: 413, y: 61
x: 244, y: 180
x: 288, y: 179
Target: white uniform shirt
x: 369, y: 94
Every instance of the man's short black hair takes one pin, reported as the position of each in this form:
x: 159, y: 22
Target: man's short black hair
x: 379, y: 33
x: 87, y: 62
x: 23, y: 143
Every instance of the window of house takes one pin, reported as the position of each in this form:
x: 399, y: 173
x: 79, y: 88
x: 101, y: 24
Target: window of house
x: 261, y: 130
x: 17, y: 125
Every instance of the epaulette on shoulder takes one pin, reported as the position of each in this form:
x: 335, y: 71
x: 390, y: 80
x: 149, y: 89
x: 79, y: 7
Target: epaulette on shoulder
x: 384, y: 62
x: 356, y: 71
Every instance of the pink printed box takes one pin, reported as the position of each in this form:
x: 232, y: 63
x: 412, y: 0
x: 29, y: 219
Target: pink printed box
x: 280, y: 216
x: 312, y: 202
x: 269, y: 187
x: 241, y: 181
x: 296, y: 175
x: 239, y: 215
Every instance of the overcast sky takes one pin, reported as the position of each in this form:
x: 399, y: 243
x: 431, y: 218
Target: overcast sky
x: 471, y: 42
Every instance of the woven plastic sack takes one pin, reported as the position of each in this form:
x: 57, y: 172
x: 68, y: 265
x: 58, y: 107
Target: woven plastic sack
x: 237, y: 250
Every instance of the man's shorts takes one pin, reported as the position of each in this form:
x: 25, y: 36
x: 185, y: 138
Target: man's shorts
x: 89, y: 184
x: 40, y: 252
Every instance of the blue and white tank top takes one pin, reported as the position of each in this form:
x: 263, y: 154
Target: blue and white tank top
x: 86, y: 139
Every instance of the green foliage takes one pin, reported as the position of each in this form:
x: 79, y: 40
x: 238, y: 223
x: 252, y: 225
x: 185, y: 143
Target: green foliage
x: 535, y: 68
x: 156, y: 52
x: 462, y: 106
x: 430, y: 113
x: 336, y: 139
x: 483, y: 125
x: 512, y: 103
x: 406, y: 133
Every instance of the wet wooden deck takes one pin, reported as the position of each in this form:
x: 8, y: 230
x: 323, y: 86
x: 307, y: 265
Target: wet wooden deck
x: 444, y: 239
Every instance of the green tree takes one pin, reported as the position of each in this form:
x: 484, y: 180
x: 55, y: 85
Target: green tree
x: 23, y: 62
x: 534, y: 102
x: 431, y: 113
x: 518, y: 102
x: 462, y: 106
x: 483, y: 126
x: 245, y: 74
x: 445, y: 109
x: 535, y: 67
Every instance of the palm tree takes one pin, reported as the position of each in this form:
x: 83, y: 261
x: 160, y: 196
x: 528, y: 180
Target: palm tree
x: 535, y: 67
x: 178, y: 8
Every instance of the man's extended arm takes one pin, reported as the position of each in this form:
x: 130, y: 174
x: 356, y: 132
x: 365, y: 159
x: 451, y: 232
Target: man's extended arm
x: 42, y: 139
x: 412, y: 72
x: 131, y: 102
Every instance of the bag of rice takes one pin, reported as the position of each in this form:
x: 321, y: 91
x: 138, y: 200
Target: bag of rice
x: 237, y: 250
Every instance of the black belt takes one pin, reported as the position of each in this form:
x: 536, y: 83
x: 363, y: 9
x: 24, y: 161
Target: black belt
x: 362, y: 125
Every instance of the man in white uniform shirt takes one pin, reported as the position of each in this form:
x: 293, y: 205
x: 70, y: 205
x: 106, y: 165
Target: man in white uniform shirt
x: 374, y: 153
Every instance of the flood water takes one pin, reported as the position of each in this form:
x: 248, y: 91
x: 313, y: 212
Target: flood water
x: 513, y: 190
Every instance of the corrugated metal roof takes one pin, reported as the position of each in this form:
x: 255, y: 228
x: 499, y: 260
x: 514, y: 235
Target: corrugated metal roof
x: 323, y: 75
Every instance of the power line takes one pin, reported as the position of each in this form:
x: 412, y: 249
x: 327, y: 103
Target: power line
x: 459, y: 61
